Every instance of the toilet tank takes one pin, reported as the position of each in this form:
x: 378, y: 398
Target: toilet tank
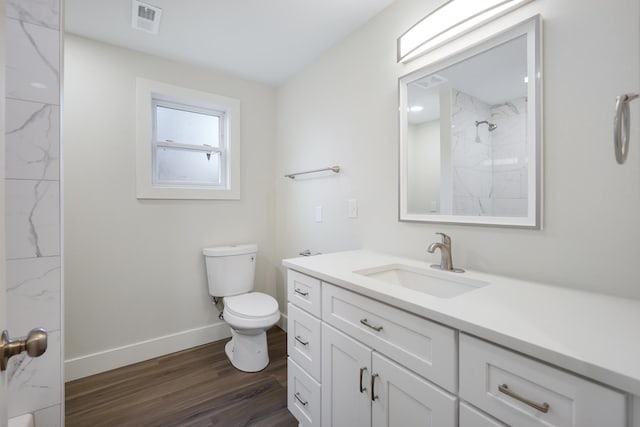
x: 230, y: 269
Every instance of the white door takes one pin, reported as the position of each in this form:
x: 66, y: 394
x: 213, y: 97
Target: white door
x: 402, y: 398
x: 346, y: 369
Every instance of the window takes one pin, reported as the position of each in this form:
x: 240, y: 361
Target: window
x: 187, y: 143
x: 189, y: 147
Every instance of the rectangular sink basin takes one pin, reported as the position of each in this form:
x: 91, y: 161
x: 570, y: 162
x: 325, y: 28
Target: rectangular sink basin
x: 440, y: 284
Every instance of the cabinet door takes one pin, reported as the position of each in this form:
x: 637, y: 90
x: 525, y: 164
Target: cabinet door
x: 405, y: 399
x: 346, y: 368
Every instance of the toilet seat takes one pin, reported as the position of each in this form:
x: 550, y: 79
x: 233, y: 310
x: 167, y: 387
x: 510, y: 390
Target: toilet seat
x: 251, y: 311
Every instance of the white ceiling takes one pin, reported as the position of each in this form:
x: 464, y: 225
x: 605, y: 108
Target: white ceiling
x: 262, y: 40
x: 494, y: 76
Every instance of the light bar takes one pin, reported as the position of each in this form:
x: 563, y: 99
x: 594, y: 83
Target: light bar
x: 451, y: 20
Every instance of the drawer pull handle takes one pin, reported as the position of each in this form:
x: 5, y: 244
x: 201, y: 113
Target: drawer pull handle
x: 366, y: 323
x: 298, y: 291
x: 304, y: 343
x: 299, y: 399
x: 362, y: 389
x: 374, y: 396
x: 544, y: 408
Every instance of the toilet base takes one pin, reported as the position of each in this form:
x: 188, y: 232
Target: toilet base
x: 247, y: 350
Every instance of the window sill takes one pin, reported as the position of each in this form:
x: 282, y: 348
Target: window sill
x: 182, y: 193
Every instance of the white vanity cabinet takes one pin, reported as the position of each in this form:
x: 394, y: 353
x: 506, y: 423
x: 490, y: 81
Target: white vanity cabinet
x: 304, y: 348
x: 357, y: 362
x: 362, y: 388
x: 372, y: 364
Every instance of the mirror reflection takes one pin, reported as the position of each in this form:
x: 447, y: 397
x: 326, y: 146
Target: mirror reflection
x: 467, y: 133
x: 467, y: 140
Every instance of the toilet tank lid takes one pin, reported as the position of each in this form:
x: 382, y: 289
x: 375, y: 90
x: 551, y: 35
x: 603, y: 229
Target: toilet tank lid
x: 249, y: 248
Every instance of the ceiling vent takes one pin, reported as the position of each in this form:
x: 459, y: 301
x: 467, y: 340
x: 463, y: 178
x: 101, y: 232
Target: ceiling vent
x: 145, y: 17
x: 430, y: 81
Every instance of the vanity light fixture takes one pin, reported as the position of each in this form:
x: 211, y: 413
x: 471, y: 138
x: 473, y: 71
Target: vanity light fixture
x: 416, y: 108
x: 452, y: 19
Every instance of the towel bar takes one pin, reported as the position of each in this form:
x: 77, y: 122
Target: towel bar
x: 621, y: 126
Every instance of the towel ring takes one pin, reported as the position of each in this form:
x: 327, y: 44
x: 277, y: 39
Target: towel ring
x: 621, y: 126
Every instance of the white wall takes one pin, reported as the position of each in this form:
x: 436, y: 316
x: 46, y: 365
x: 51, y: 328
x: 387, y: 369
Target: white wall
x: 134, y: 271
x: 423, y: 186
x: 343, y: 110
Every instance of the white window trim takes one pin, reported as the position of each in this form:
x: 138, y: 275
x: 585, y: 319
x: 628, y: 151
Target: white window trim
x: 146, y: 92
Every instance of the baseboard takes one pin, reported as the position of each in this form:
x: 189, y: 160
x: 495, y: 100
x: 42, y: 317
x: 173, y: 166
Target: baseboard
x: 95, y: 363
x: 282, y: 323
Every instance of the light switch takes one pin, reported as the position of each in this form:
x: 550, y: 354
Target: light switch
x: 353, y: 208
x: 318, y: 213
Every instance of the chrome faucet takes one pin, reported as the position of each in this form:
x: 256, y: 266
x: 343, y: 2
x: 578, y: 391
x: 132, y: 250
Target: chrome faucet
x: 446, y: 263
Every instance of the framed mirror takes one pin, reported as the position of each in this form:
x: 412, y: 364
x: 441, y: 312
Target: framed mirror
x: 470, y: 134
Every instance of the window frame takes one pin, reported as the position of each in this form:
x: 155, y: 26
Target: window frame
x: 149, y: 94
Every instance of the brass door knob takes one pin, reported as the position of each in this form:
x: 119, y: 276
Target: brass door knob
x: 35, y: 344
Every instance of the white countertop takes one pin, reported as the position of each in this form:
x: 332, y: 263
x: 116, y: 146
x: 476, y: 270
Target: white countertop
x: 594, y: 335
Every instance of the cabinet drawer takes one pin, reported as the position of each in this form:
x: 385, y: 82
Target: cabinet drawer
x: 500, y: 381
x: 304, y: 292
x: 423, y: 346
x: 303, y: 395
x: 303, y: 340
x: 472, y: 417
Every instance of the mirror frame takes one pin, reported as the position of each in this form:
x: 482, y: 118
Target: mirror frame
x: 532, y: 29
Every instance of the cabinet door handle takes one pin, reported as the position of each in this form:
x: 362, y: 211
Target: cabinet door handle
x: 362, y: 389
x: 374, y: 396
x: 544, y: 407
x: 304, y: 343
x: 298, y: 291
x: 366, y: 323
x: 299, y: 399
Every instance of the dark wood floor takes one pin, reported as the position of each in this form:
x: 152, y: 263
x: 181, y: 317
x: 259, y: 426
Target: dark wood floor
x: 195, y: 387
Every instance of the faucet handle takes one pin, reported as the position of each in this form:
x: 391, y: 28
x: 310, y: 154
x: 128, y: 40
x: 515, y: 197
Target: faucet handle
x: 445, y: 239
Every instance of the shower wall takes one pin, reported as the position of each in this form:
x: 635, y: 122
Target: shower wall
x: 471, y: 155
x: 32, y: 181
x: 489, y: 168
x: 509, y: 155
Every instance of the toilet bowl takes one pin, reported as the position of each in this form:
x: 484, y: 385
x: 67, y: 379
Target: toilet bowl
x: 230, y: 275
x: 249, y: 316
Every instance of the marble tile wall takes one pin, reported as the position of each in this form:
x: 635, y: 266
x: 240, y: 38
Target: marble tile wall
x: 471, y: 155
x: 510, y: 167
x: 32, y: 180
x: 489, y: 168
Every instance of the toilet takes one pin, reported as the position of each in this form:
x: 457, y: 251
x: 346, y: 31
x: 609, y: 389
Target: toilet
x: 230, y: 273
